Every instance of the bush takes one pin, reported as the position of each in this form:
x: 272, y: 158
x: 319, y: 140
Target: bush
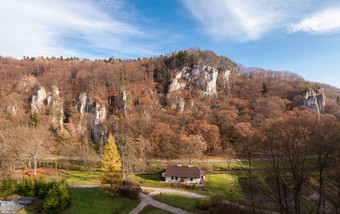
x: 42, y: 188
x: 8, y: 187
x: 55, y: 194
x: 58, y: 198
x: 52, y: 202
x: 203, y: 204
x: 130, y: 190
x: 26, y: 188
x: 194, y: 186
x: 35, y: 119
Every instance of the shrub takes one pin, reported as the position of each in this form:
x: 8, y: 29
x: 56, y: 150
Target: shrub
x: 8, y: 187
x: 51, y: 202
x: 203, y: 204
x: 55, y: 194
x: 26, y: 188
x: 41, y: 188
x: 58, y: 198
x: 194, y: 186
x: 35, y: 119
x: 130, y: 190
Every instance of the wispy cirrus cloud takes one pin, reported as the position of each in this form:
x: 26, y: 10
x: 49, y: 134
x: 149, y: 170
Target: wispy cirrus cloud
x: 242, y: 20
x: 82, y: 28
x: 321, y: 22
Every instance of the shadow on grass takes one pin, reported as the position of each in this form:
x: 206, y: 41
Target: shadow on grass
x: 153, y: 177
x: 261, y: 195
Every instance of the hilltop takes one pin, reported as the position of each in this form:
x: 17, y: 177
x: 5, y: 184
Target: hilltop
x: 161, y: 102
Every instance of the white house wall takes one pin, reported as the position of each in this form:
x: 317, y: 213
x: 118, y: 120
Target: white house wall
x: 194, y: 181
x: 186, y: 180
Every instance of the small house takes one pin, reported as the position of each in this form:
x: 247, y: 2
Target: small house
x: 187, y: 174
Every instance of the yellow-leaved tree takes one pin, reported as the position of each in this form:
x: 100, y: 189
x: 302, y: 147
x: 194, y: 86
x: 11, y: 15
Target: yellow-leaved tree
x: 111, y: 165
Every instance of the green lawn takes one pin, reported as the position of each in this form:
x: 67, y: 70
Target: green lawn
x: 153, y: 210
x: 152, y: 179
x: 226, y: 184
x: 98, y: 201
x: 177, y: 200
x: 76, y: 177
x: 79, y: 177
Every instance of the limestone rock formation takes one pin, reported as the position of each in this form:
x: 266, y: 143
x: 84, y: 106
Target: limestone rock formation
x: 83, y: 102
x: 314, y: 100
x: 177, y: 83
x: 124, y: 101
x: 51, y: 101
x: 96, y: 115
x: 55, y: 105
x: 178, y: 102
x: 204, y: 77
x: 38, y: 100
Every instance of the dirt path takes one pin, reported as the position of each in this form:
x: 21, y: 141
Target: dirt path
x: 88, y: 186
x: 147, y: 200
x: 191, y: 194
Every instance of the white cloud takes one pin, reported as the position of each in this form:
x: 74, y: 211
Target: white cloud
x: 242, y: 20
x: 80, y: 28
x: 325, y: 21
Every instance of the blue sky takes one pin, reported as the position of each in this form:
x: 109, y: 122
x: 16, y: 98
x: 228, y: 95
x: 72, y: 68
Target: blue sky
x: 301, y: 36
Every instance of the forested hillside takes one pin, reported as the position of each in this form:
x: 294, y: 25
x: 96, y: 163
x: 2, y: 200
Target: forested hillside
x: 184, y: 104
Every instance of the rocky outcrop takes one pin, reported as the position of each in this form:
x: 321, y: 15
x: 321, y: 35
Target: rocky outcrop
x: 314, y: 100
x: 83, y: 103
x: 55, y: 106
x: 321, y: 100
x: 12, y: 109
x: 177, y: 83
x: 204, y: 77
x: 178, y: 102
x: 125, y: 101
x: 201, y: 77
x: 38, y: 100
x: 50, y: 101
x: 96, y: 115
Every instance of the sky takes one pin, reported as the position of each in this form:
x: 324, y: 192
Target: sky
x: 300, y: 36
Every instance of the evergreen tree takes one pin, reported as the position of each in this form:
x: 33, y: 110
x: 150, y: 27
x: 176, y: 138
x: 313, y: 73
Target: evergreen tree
x: 35, y: 119
x: 111, y: 165
x: 264, y: 88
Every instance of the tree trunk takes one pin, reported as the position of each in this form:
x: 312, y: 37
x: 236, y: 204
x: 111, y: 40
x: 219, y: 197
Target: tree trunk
x: 35, y: 167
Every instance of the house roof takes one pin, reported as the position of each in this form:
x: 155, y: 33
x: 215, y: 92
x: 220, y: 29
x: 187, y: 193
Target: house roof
x: 183, y: 171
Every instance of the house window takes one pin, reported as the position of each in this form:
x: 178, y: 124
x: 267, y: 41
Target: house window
x: 176, y: 178
x: 172, y: 177
x: 191, y: 179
